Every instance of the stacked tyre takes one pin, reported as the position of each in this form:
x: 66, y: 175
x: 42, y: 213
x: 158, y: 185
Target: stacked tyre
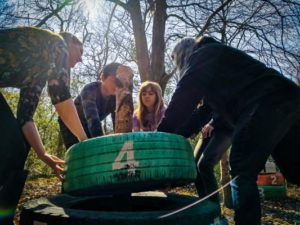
x: 136, y: 210
x: 101, y: 174
x: 129, y: 162
x: 271, y: 183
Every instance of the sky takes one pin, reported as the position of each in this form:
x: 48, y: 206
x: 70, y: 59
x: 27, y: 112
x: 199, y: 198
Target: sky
x: 93, y: 6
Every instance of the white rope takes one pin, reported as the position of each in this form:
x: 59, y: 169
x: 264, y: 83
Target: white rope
x: 198, y: 201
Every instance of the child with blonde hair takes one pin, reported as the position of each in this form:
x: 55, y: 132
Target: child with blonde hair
x: 150, y: 107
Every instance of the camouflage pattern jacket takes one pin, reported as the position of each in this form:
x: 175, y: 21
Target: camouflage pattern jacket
x: 29, y: 58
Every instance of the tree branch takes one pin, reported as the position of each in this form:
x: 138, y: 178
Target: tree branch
x: 43, y: 21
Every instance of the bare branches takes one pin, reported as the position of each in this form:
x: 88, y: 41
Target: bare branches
x: 209, y: 19
x: 120, y: 3
x: 144, y: 31
x: 54, y: 12
x: 268, y: 29
x: 6, y: 15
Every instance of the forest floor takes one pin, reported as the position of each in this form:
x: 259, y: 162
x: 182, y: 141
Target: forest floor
x: 285, y: 211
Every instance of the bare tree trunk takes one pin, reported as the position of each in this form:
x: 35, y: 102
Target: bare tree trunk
x: 151, y: 65
x: 158, y: 40
x: 124, y: 102
x: 142, y: 55
x: 225, y: 178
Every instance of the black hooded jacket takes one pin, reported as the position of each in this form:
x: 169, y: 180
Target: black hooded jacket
x: 228, y: 79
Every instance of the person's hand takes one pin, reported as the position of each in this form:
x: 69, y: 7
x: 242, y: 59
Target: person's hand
x: 207, y: 130
x: 55, y: 163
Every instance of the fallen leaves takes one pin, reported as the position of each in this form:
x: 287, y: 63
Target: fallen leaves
x: 274, y: 212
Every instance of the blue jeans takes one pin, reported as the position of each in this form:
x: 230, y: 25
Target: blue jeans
x: 209, y: 154
x: 268, y: 127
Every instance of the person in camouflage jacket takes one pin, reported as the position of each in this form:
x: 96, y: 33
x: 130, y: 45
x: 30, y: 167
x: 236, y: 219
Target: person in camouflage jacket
x: 30, y: 58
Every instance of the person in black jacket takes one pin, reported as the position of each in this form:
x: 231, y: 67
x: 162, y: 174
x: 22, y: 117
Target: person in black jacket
x: 262, y: 105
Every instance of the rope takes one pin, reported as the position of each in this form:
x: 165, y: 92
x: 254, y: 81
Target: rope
x: 198, y: 201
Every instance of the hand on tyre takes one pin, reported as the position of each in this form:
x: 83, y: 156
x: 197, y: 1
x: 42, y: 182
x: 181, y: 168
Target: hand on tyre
x: 207, y: 130
x: 55, y: 163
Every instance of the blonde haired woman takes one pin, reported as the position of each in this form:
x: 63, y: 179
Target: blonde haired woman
x: 150, y: 107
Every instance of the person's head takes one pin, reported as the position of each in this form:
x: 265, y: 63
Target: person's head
x: 108, y: 78
x: 182, y: 51
x: 149, y: 99
x: 184, y: 48
x: 75, y: 48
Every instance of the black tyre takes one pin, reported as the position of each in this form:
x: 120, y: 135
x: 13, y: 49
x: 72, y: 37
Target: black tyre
x: 128, y: 162
x: 136, y: 210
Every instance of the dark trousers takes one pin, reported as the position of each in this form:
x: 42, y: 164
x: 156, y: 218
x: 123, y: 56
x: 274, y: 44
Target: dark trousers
x: 13, y: 154
x: 209, y: 154
x: 68, y: 138
x: 268, y: 127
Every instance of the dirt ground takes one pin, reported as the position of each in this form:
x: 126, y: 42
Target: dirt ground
x: 284, y: 211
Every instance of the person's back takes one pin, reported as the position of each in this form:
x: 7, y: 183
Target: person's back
x: 229, y: 78
x: 28, y: 50
x: 262, y: 106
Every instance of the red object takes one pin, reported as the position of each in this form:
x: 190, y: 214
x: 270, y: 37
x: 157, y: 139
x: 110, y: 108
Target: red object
x: 275, y: 179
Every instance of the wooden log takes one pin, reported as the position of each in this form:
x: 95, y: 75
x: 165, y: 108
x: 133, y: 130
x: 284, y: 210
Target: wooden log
x: 124, y: 102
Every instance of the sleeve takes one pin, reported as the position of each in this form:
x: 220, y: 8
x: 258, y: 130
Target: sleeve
x: 135, y: 123
x: 90, y: 110
x: 59, y: 74
x: 28, y: 101
x: 195, y: 122
x: 113, y: 118
x: 218, y: 122
x: 196, y: 78
x: 183, y: 103
x: 162, y: 114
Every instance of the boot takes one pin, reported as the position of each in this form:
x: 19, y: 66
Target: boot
x: 10, y: 192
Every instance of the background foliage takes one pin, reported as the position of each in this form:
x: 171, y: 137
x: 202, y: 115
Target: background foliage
x: 142, y: 34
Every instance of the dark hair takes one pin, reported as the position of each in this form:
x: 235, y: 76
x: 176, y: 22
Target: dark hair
x: 110, y: 69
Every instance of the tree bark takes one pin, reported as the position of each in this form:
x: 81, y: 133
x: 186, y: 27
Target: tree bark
x: 142, y: 55
x: 158, y: 41
x: 151, y: 65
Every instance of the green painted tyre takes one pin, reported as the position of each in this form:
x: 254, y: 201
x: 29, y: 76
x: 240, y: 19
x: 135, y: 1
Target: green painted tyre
x: 128, y: 162
x: 135, y: 210
x: 272, y: 192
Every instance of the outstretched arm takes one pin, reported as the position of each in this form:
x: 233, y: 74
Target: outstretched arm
x: 28, y: 101
x: 184, y: 101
